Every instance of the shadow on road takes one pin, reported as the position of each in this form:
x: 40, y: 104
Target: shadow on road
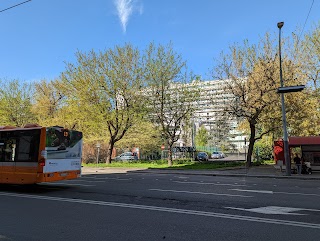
x: 33, y: 188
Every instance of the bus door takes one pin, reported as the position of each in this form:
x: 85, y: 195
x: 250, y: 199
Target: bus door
x: 26, y: 158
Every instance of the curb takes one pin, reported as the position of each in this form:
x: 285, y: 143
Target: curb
x: 307, y: 177
x: 198, y: 173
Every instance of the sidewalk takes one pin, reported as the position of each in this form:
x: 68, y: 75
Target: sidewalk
x: 256, y: 171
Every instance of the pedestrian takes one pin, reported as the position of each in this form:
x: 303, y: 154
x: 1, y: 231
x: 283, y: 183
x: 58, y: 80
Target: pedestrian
x: 297, y: 161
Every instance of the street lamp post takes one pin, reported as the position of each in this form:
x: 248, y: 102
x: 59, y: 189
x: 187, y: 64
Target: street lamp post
x: 98, y: 152
x: 283, y: 108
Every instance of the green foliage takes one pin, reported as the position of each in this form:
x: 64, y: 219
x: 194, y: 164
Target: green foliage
x: 107, y: 94
x: 252, y: 76
x: 309, y: 53
x: 163, y: 164
x: 49, y: 106
x: 16, y: 103
x: 262, y: 151
x: 252, y: 72
x: 202, y: 137
x: 169, y: 98
x: 144, y: 135
x: 103, y: 91
x: 263, y: 162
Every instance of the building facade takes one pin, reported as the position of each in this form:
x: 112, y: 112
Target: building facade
x: 211, y: 112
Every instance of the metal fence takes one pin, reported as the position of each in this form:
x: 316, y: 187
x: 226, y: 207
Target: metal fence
x: 209, y: 149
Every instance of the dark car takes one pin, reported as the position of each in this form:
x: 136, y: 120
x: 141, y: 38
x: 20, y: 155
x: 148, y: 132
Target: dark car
x: 202, y: 156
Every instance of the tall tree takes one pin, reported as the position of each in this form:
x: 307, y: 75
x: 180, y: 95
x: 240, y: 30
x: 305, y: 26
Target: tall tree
x: 252, y: 77
x: 144, y: 135
x: 105, y: 86
x: 171, y: 99
x: 202, y: 136
x: 310, y: 56
x: 16, y: 102
x: 48, y: 103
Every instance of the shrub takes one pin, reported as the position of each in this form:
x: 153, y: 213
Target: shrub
x: 262, y: 151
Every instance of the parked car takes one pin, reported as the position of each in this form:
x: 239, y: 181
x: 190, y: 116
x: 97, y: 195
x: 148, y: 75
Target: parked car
x: 202, y: 156
x: 126, y: 156
x: 217, y: 155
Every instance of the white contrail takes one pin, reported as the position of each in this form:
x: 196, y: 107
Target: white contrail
x: 124, y: 9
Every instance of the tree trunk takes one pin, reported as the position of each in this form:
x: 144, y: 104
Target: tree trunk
x: 170, y: 155
x: 109, y: 152
x: 251, y: 144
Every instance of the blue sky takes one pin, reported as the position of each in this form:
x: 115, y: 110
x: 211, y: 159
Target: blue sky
x: 38, y: 37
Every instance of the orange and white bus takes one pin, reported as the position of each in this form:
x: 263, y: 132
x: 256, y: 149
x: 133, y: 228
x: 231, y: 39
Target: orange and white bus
x: 35, y: 154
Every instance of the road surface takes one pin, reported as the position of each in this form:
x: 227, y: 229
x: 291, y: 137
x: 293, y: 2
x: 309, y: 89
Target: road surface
x: 148, y: 206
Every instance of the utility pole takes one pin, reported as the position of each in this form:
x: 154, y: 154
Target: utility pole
x: 283, y: 108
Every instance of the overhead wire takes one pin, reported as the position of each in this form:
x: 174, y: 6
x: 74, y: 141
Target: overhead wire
x: 306, y: 20
x: 14, y: 6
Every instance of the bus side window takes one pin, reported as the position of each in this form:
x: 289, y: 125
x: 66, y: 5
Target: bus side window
x: 9, y: 150
x: 2, y: 151
x: 23, y: 148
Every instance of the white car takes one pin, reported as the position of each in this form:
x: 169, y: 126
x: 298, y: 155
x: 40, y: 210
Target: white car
x: 217, y: 155
x: 126, y: 156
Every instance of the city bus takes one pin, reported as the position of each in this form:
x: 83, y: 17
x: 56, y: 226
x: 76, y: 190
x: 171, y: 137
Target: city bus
x: 34, y: 154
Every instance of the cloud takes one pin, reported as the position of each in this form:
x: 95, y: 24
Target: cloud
x: 124, y: 10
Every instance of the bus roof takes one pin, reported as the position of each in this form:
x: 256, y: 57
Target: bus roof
x: 5, y: 128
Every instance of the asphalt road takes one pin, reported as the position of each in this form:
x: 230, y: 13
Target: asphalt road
x: 145, y: 206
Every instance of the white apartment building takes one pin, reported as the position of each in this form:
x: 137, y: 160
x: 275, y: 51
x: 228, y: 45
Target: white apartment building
x: 211, y: 114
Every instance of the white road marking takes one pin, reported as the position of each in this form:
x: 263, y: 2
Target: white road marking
x: 203, y: 193
x: 181, y: 177
x: 276, y: 210
x: 67, y: 184
x: 272, y: 192
x: 79, y: 180
x: 257, y: 191
x: 107, y: 178
x: 169, y: 210
x: 301, y: 194
x: 210, y: 183
x: 271, y: 210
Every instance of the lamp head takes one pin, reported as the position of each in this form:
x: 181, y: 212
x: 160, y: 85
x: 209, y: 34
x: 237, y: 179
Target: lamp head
x: 280, y: 24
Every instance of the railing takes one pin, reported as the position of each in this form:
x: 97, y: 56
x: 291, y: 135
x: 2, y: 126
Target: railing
x: 209, y: 149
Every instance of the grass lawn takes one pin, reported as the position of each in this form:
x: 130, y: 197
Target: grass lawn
x: 163, y: 164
